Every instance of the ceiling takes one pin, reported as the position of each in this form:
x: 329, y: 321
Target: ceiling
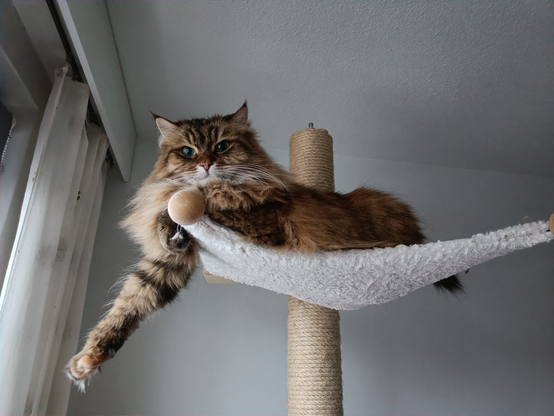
x: 467, y: 84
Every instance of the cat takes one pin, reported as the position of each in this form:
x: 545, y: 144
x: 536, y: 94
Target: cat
x: 246, y: 191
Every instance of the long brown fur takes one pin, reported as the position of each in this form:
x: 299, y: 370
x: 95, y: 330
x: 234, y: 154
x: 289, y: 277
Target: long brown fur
x: 245, y: 191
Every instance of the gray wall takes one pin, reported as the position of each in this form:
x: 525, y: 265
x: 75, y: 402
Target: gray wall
x: 464, y: 84
x: 221, y: 350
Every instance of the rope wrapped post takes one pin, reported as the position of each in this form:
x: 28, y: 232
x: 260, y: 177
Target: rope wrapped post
x: 314, y: 359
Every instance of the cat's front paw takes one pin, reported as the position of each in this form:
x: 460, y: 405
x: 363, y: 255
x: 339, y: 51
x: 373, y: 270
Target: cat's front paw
x: 172, y: 237
x: 85, y: 365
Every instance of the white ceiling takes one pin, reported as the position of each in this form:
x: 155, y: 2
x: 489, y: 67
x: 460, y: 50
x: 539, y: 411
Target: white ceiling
x: 466, y: 84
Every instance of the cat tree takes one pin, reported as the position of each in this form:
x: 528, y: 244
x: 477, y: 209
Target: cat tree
x: 319, y: 285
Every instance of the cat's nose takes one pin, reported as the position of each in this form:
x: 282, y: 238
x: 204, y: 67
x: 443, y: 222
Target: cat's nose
x: 207, y: 166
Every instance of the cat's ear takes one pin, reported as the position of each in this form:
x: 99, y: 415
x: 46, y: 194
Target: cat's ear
x: 165, y: 127
x: 241, y: 116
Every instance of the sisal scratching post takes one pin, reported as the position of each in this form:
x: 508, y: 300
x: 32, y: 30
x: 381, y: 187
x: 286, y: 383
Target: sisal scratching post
x: 314, y: 360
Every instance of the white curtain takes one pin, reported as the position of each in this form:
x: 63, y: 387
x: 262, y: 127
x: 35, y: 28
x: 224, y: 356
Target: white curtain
x: 43, y: 293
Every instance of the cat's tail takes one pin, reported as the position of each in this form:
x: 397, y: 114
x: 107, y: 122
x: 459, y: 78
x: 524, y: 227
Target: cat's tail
x: 451, y: 285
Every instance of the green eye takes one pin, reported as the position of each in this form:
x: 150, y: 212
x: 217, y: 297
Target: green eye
x: 222, y: 146
x: 189, y: 151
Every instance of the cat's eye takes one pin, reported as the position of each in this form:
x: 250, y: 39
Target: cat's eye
x: 189, y: 151
x: 222, y: 146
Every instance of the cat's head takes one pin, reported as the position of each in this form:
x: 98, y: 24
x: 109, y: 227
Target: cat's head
x: 206, y: 150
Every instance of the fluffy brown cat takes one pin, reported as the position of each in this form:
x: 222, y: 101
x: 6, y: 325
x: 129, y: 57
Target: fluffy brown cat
x: 246, y: 192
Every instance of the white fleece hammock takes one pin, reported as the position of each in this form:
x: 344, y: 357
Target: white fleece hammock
x: 352, y: 279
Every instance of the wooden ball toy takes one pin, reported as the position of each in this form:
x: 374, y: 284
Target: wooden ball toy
x: 186, y: 207
x: 551, y: 224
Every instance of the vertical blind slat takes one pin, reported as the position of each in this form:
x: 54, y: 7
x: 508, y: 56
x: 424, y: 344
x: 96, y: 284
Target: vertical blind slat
x: 59, y: 275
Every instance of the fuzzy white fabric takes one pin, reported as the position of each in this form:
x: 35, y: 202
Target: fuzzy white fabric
x: 351, y: 279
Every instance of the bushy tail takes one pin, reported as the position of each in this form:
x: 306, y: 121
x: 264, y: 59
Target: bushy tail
x: 451, y: 284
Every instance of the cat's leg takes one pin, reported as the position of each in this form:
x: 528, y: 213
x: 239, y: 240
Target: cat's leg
x: 154, y: 284
x: 221, y: 196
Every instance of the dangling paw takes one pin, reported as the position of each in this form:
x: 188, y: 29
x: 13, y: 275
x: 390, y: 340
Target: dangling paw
x: 85, y: 365
x: 173, y: 237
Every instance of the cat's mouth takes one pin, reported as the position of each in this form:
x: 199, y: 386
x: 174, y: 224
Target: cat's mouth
x: 203, y: 174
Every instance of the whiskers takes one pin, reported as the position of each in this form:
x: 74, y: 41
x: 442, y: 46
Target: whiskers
x: 248, y: 172
x: 232, y: 173
x: 176, y: 181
